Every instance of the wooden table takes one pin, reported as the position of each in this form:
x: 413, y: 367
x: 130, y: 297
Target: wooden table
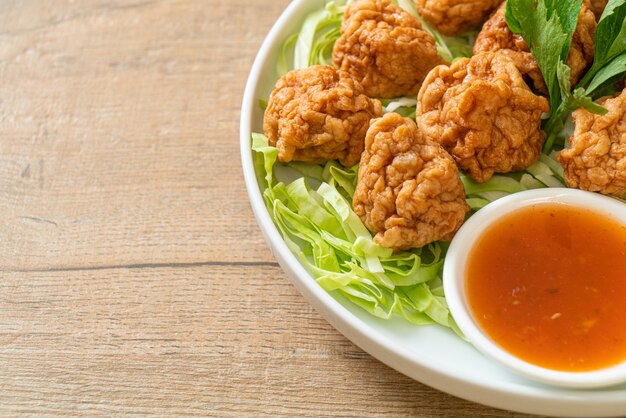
x: 134, y: 277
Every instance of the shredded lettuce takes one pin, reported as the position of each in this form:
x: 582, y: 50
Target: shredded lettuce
x: 329, y: 239
x: 448, y: 47
x: 313, y: 44
x: 403, y: 102
x: 404, y: 106
x: 546, y: 172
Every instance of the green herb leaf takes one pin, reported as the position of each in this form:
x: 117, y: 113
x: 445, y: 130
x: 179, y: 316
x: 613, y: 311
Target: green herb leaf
x: 580, y: 98
x: 547, y: 27
x: 610, y: 38
x: 610, y: 50
x: 563, y: 73
x: 567, y: 12
x: 608, y: 75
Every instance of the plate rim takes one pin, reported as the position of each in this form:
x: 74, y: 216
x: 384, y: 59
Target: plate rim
x: 503, y: 395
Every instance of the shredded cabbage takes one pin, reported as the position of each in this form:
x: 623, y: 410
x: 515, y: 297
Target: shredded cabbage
x: 313, y: 44
x: 329, y: 239
x: 449, y: 48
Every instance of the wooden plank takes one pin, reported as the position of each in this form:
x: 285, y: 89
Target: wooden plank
x: 119, y: 141
x: 211, y: 340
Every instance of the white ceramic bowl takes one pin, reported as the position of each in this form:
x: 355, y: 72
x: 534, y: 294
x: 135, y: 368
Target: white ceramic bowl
x: 429, y: 354
x: 454, y: 281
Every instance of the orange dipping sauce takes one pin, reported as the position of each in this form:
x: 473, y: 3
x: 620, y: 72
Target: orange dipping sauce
x: 547, y: 283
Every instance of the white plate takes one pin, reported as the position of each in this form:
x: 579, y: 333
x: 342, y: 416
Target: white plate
x: 429, y: 354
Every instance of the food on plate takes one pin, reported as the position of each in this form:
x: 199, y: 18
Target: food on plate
x: 484, y: 114
x: 596, y: 157
x: 496, y: 35
x: 453, y: 17
x: 319, y: 114
x: 350, y: 226
x: 384, y: 48
x: 408, y: 192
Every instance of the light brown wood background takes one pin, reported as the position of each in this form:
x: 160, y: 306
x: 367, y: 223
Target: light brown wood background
x: 134, y: 279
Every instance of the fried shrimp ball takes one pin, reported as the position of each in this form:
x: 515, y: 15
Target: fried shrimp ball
x: 596, y: 157
x: 453, y: 17
x: 409, y: 192
x: 496, y: 35
x: 597, y: 6
x: 484, y: 114
x: 319, y: 114
x: 384, y: 48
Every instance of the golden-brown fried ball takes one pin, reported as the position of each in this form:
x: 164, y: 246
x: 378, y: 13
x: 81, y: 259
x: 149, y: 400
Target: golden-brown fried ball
x: 597, y: 7
x: 483, y: 113
x: 319, y: 114
x: 409, y: 192
x: 453, y: 17
x: 596, y: 157
x: 384, y: 48
x: 496, y: 35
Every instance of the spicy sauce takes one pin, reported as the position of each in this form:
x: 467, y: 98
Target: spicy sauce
x: 548, y: 284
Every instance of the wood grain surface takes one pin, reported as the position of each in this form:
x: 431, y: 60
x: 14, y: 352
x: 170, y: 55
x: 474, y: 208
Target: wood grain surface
x: 135, y: 280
